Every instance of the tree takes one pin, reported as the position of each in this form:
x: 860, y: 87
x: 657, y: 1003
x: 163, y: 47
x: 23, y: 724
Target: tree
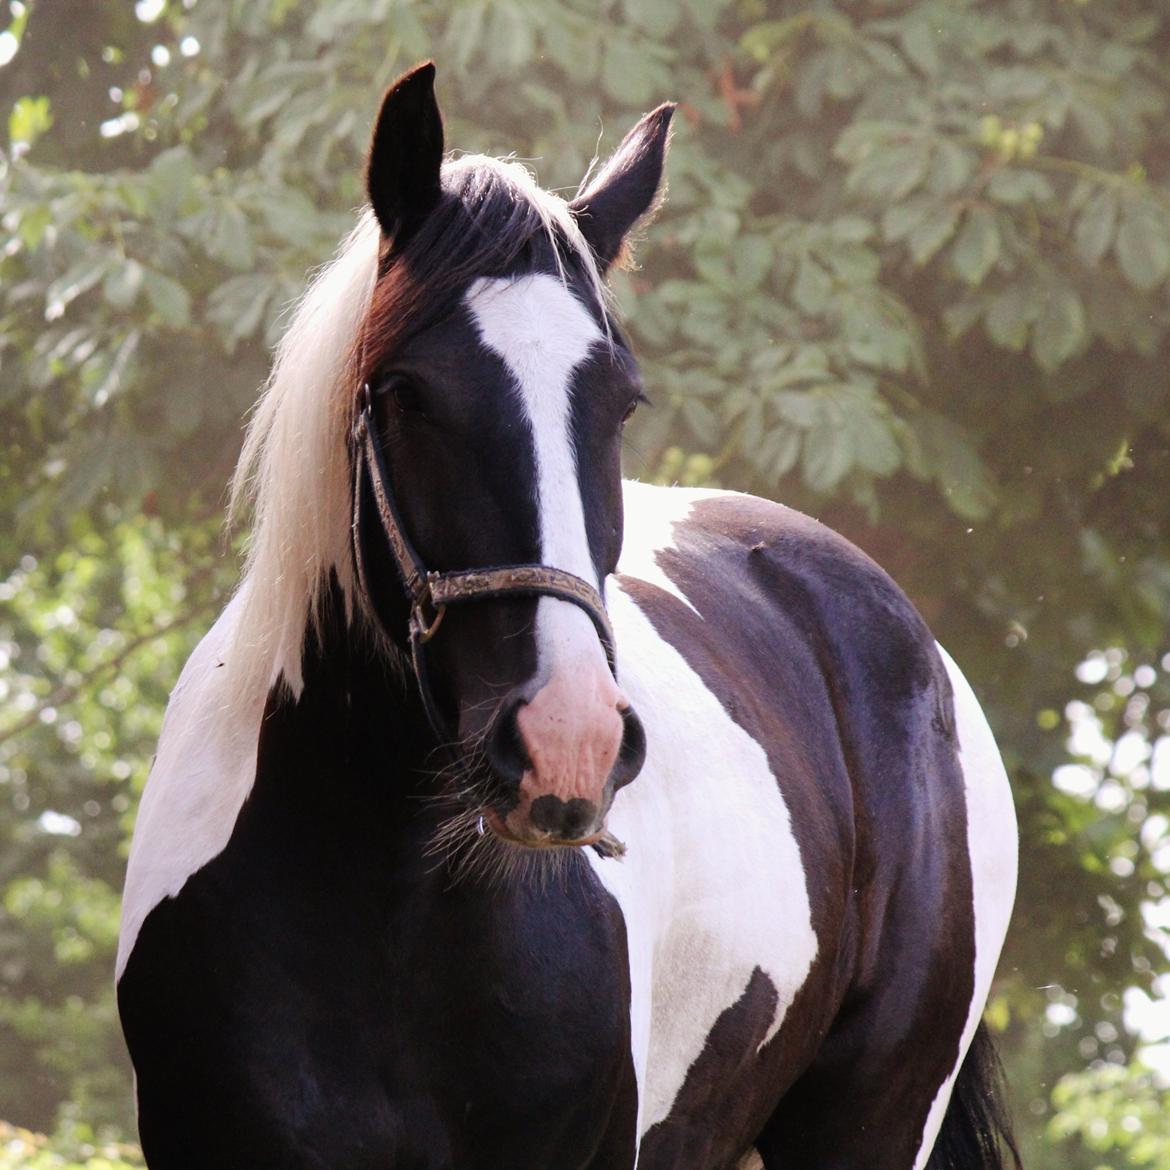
x: 911, y: 277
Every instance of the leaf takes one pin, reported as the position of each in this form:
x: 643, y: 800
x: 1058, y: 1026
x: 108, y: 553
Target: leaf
x: 778, y: 453
x: 711, y: 264
x: 237, y: 307
x: 800, y: 408
x: 172, y: 180
x: 1096, y: 226
x: 865, y: 420
x: 123, y: 283
x: 169, y: 299
x: 509, y: 33
x: 700, y: 418
x: 288, y: 213
x: 947, y: 450
x: 624, y: 73
x: 920, y: 44
x: 950, y: 168
x: 977, y: 248
x: 813, y: 288
x: 751, y: 258
x: 851, y: 229
x: 229, y: 239
x: 845, y: 73
x: 34, y: 221
x: 1060, y: 328
x: 960, y: 316
x: 113, y: 378
x: 1143, y: 247
x: 575, y: 50
x: 900, y: 219
x: 890, y: 171
x: 29, y: 119
x: 827, y: 456
x: 765, y: 38
x: 79, y: 279
x: 1015, y: 185
x: 853, y: 264
x: 659, y: 18
x: 934, y: 231
x: 1008, y: 317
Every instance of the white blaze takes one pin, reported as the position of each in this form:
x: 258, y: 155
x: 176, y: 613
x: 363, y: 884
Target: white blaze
x: 542, y: 333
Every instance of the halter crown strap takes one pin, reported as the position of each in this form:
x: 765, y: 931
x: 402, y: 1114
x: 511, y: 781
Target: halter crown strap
x: 430, y: 593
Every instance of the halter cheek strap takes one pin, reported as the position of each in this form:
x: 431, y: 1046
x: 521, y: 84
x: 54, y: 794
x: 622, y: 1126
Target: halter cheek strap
x: 430, y: 593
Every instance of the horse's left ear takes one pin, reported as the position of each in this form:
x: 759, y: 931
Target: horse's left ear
x: 406, y: 153
x: 626, y: 189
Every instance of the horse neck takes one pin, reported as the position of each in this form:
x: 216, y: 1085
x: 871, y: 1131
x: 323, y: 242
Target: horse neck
x: 357, y: 726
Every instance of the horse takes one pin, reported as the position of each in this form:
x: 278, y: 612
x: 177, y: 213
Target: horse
x: 511, y: 816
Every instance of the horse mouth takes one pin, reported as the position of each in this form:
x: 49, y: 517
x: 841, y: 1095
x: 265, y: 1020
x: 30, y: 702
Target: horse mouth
x: 602, y: 840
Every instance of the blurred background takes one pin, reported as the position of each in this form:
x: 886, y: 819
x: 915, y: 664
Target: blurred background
x: 911, y: 277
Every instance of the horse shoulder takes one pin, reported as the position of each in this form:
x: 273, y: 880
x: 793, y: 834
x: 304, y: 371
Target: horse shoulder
x: 730, y: 885
x: 745, y: 624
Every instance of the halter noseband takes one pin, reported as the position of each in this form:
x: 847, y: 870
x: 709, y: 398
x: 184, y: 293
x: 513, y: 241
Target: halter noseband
x: 430, y: 593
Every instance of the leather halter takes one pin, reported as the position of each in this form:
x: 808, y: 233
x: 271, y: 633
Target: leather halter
x: 430, y: 593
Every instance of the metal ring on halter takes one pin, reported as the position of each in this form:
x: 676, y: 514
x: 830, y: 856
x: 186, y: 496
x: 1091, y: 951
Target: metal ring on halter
x: 427, y: 630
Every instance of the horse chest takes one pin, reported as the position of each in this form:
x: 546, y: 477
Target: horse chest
x: 306, y: 997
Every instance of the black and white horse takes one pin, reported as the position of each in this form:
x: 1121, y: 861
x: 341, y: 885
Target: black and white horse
x: 438, y: 868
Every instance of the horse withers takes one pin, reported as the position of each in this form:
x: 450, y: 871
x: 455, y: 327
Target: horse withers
x: 512, y: 817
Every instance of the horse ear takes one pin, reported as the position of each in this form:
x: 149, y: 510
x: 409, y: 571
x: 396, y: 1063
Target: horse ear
x: 406, y: 152
x: 625, y: 190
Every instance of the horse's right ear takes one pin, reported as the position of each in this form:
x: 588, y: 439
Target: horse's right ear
x: 406, y: 152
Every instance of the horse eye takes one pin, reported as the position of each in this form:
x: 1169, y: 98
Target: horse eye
x: 634, y: 406
x: 404, y: 391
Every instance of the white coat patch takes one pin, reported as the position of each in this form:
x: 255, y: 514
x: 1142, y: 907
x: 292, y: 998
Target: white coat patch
x: 204, y: 770
x: 993, y: 848
x: 649, y: 513
x: 712, y: 885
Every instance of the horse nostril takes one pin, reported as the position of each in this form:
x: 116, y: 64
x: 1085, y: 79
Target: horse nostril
x: 632, y: 754
x: 504, y: 746
x: 563, y: 818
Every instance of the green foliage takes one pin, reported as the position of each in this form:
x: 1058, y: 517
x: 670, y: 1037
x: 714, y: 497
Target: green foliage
x: 1113, y: 1110
x: 22, y: 1150
x: 91, y: 640
x: 911, y: 276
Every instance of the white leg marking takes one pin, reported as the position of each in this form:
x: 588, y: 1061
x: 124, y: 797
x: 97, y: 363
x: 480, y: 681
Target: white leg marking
x: 712, y: 884
x: 202, y: 774
x: 993, y: 848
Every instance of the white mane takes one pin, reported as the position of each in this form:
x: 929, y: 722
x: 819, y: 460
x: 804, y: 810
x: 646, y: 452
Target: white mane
x: 294, y: 470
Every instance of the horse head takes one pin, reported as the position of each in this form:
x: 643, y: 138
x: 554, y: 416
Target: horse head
x: 493, y: 385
